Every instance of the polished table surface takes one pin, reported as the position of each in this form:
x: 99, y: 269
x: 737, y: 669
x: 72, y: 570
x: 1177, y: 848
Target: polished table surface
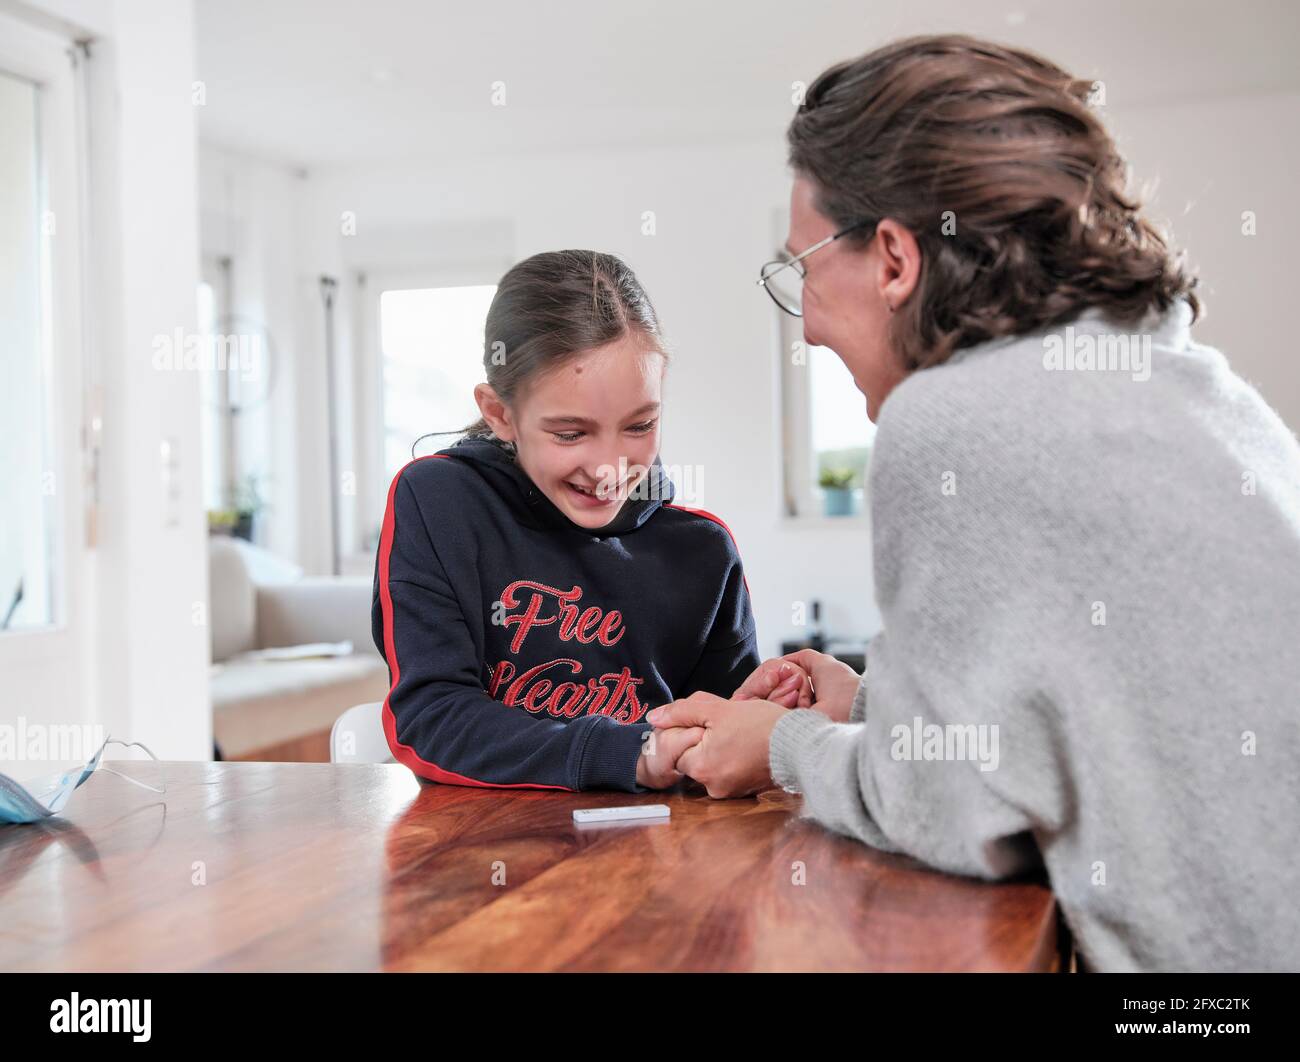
x: 295, y: 866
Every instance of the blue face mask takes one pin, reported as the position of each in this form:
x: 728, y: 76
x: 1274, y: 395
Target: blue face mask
x: 48, y: 796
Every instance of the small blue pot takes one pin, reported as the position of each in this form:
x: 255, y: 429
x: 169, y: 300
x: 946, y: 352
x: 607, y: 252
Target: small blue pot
x: 837, y: 501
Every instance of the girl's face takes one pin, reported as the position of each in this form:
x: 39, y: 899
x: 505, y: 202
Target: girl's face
x: 587, y: 431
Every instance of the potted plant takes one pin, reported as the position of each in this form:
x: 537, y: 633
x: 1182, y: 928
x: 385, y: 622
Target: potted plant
x: 222, y: 521
x: 837, y: 491
x: 249, y: 503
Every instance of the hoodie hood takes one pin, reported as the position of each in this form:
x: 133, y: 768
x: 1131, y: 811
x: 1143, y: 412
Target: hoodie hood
x: 499, y: 468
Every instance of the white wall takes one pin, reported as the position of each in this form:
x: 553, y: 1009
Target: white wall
x: 713, y: 229
x: 151, y: 562
x: 713, y: 210
x: 254, y: 212
x: 1215, y: 160
x: 250, y: 212
x: 713, y: 215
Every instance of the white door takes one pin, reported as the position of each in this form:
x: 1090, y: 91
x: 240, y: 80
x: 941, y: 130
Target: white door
x: 46, y: 432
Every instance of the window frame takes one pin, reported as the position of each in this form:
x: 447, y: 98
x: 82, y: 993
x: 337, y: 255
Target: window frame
x: 800, y: 497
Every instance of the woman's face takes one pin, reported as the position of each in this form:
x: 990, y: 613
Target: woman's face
x: 587, y: 431
x: 847, y: 292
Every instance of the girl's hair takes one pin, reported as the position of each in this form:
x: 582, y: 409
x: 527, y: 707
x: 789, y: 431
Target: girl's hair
x: 1016, y: 193
x: 553, y: 306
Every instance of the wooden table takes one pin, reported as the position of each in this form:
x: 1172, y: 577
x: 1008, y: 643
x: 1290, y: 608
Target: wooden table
x: 287, y: 866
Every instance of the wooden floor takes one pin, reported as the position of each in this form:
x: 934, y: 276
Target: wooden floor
x: 311, y: 748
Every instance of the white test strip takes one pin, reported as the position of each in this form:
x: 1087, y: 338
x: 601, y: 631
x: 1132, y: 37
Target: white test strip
x: 633, y: 811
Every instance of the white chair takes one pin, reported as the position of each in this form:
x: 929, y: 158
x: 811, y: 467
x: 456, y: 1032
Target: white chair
x: 358, y: 736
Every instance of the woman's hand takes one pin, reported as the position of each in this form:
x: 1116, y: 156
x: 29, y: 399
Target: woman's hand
x: 782, y: 682
x: 731, y: 759
x: 656, y: 767
x: 834, y: 683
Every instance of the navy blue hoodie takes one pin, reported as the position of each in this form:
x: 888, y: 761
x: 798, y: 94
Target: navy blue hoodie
x: 525, y: 650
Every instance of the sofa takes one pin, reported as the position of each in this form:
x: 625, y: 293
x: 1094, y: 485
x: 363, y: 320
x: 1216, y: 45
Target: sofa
x: 265, y: 708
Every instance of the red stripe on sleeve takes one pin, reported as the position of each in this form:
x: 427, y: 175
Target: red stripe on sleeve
x: 717, y: 520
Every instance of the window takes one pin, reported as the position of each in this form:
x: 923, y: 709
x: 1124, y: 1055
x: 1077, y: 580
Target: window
x: 431, y: 346
x: 236, y: 379
x: 28, y: 487
x: 827, y: 436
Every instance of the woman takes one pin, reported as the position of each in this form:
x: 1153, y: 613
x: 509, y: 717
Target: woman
x: 1086, y: 529
x: 535, y: 589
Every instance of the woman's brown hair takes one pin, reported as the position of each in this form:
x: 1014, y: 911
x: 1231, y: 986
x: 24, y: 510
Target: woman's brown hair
x: 1042, y: 225
x: 552, y: 306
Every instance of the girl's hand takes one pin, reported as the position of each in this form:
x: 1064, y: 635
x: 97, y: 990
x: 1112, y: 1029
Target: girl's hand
x: 656, y: 767
x: 731, y: 759
x: 834, y: 683
x: 782, y: 682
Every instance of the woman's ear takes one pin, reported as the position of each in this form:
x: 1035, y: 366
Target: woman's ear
x: 900, y: 262
x: 495, y: 412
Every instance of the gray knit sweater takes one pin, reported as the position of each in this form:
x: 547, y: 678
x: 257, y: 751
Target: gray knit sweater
x: 1087, y: 561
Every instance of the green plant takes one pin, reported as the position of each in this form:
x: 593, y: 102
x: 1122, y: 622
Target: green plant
x: 248, y: 498
x: 835, y: 478
x: 222, y: 520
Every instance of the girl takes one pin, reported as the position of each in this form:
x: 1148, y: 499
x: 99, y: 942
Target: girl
x: 536, y: 592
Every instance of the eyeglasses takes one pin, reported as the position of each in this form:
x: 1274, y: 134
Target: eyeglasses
x: 783, y: 278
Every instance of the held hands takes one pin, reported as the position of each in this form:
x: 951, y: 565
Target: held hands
x: 656, y: 767
x: 806, y: 679
x: 834, y: 683
x: 723, y: 744
x: 781, y: 681
x: 731, y: 758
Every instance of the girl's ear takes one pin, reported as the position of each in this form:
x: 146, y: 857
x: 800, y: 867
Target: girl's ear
x: 495, y: 412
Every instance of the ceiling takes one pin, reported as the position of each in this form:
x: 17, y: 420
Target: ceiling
x: 330, y: 84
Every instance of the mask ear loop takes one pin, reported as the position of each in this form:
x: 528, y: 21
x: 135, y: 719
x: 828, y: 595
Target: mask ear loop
x: 136, y: 781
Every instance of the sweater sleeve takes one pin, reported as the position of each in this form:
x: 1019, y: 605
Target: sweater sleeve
x: 439, y: 719
x: 731, y: 650
x: 948, y: 755
x: 852, y: 781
